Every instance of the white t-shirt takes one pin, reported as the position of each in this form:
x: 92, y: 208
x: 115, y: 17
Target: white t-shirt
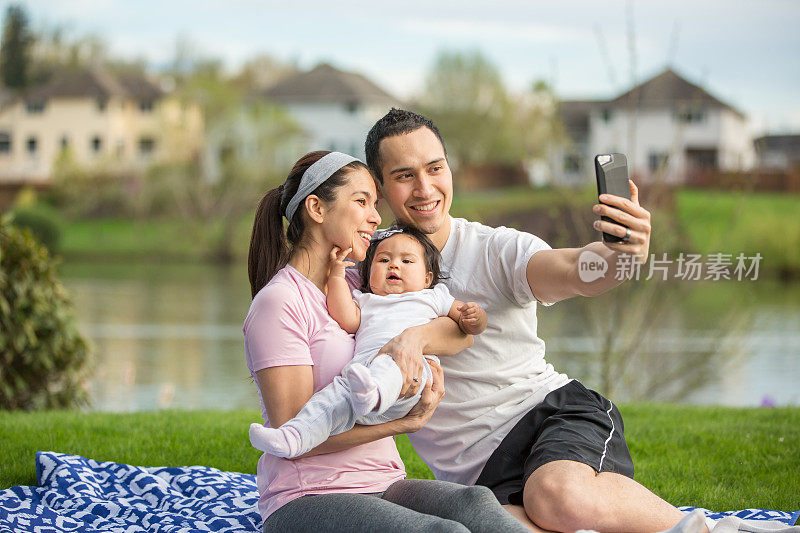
x: 491, y: 385
x: 385, y: 317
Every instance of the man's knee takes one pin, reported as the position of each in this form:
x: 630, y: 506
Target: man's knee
x: 559, y: 497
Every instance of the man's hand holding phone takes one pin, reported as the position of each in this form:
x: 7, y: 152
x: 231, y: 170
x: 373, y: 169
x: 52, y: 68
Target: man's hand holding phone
x: 628, y: 213
x: 625, y: 224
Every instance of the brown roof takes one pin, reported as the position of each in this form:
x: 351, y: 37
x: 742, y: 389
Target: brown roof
x: 94, y: 83
x: 325, y: 83
x: 668, y: 89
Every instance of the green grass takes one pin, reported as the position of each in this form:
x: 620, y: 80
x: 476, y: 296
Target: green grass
x: 718, y: 458
x: 733, y: 222
x: 713, y: 221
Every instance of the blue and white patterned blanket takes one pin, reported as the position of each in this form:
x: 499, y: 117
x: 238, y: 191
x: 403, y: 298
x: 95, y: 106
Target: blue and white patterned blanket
x: 79, y: 494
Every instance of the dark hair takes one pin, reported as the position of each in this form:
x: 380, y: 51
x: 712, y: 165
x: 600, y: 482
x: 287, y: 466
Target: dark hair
x: 432, y: 255
x: 269, y: 245
x: 395, y: 122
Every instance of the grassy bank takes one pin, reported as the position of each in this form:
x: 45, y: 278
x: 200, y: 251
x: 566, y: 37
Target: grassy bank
x: 712, y: 221
x: 718, y: 458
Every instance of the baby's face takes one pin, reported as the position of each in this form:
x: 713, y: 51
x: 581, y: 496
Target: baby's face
x: 399, y: 266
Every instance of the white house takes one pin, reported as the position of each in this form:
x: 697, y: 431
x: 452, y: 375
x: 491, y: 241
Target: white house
x: 667, y: 126
x: 334, y: 108
x: 119, y: 121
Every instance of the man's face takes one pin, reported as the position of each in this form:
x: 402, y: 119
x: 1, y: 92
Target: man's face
x: 417, y: 183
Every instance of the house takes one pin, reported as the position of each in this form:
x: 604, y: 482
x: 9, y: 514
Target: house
x: 669, y: 128
x: 334, y: 108
x: 779, y: 152
x: 121, y: 121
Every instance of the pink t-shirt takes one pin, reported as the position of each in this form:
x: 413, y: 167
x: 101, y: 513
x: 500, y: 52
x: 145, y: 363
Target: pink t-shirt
x: 288, y: 324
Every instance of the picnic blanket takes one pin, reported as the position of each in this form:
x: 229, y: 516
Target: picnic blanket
x: 80, y: 494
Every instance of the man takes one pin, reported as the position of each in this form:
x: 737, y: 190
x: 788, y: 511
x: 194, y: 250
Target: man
x: 552, y: 451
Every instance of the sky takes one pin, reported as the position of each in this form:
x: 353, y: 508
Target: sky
x: 745, y: 52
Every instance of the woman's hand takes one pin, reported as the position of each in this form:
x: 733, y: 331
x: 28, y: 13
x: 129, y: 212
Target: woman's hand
x: 432, y: 394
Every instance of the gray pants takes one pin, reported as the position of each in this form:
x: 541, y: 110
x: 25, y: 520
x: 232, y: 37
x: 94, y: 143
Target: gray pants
x: 407, y: 505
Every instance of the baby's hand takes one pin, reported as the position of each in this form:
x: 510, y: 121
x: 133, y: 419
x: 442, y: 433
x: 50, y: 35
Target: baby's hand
x: 339, y: 261
x: 473, y: 318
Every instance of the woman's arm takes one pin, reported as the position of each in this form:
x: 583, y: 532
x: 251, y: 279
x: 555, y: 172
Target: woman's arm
x: 286, y: 389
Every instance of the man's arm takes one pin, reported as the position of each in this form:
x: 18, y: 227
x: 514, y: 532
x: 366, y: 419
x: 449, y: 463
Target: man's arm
x: 553, y: 274
x: 419, y: 415
x: 440, y: 336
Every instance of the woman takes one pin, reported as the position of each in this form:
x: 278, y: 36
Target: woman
x: 355, y: 480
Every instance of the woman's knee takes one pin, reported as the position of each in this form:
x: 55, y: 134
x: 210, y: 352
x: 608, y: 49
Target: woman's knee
x: 477, y: 496
x: 442, y: 525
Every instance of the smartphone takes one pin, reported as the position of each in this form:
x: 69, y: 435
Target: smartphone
x: 612, y: 178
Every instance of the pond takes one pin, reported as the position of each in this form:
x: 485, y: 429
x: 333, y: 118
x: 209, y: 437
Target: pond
x: 169, y: 336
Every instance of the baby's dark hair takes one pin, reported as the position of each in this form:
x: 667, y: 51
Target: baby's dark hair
x: 432, y: 255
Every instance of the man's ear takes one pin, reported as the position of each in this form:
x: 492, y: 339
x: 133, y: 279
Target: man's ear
x: 428, y: 279
x: 315, y: 208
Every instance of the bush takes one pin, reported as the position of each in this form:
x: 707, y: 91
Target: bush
x: 43, y: 358
x: 43, y: 223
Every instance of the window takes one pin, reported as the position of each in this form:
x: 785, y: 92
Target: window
x: 32, y: 146
x: 64, y: 142
x: 147, y: 146
x: 101, y: 104
x: 35, y: 107
x: 657, y: 161
x: 146, y: 106
x: 690, y: 115
x: 606, y: 115
x: 97, y: 144
x: 5, y: 142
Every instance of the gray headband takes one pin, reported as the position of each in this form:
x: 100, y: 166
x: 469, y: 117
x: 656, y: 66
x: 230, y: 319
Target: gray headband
x: 315, y: 175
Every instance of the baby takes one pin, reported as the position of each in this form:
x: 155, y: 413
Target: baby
x: 401, y: 266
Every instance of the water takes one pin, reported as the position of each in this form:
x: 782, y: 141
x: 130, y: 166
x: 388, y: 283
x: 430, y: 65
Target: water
x: 170, y: 336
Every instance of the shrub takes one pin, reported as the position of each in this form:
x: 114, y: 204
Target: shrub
x: 43, y: 358
x: 43, y: 223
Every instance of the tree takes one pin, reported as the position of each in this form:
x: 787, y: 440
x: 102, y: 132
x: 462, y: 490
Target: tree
x: 466, y: 99
x: 15, y: 48
x: 482, y: 122
x: 246, y: 139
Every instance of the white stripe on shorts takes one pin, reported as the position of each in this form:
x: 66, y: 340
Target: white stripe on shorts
x: 605, y: 446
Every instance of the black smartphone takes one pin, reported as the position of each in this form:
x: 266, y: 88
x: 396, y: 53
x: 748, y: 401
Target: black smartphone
x: 612, y: 178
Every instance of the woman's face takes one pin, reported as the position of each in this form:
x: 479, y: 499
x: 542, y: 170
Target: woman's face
x: 352, y: 218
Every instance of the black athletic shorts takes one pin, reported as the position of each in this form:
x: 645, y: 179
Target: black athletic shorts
x: 572, y: 423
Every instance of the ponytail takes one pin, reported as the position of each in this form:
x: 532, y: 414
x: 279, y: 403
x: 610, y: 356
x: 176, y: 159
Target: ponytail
x: 269, y: 245
x: 269, y: 250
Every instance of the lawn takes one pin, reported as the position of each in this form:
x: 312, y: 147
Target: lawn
x: 712, y: 221
x: 718, y: 458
